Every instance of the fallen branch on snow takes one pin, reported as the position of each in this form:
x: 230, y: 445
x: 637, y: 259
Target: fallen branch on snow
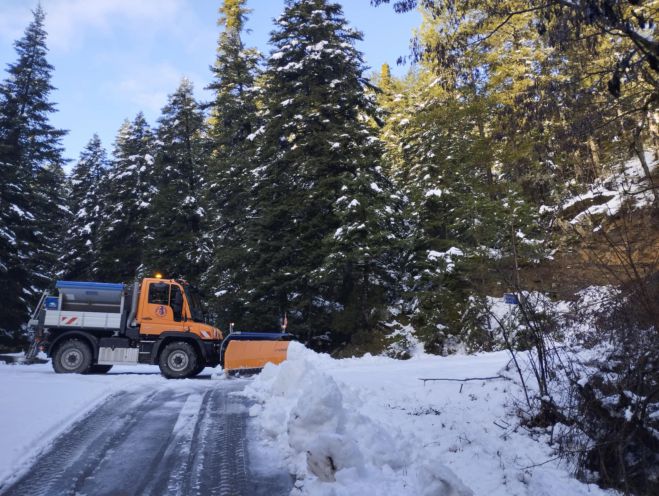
x: 464, y: 380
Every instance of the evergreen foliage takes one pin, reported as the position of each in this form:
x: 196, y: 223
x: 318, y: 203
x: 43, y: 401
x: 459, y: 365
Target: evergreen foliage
x: 124, y: 231
x: 32, y: 193
x: 588, y: 24
x: 233, y: 121
x: 86, y: 202
x: 320, y: 234
x: 467, y: 210
x: 176, y: 245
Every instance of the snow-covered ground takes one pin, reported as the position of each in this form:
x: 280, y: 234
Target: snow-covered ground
x: 343, y: 427
x: 371, y: 426
x: 36, y: 405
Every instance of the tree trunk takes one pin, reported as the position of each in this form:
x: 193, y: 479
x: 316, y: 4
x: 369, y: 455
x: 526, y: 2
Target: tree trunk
x: 595, y: 156
x: 640, y: 152
x: 653, y: 120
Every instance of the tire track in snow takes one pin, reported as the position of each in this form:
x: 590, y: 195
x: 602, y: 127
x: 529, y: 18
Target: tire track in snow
x: 188, y: 440
x: 78, y: 447
x: 168, y: 475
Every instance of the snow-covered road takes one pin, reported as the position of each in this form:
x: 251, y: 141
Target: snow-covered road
x: 341, y: 427
x: 149, y: 437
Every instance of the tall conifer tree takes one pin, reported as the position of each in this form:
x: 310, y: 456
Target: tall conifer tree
x: 86, y: 204
x: 177, y: 246
x: 322, y: 224
x: 31, y: 178
x: 130, y: 190
x: 233, y: 122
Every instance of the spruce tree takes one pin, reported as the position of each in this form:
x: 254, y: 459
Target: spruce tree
x: 320, y: 236
x: 233, y: 124
x: 177, y: 246
x: 86, y: 204
x: 460, y: 213
x: 124, y: 230
x: 32, y: 209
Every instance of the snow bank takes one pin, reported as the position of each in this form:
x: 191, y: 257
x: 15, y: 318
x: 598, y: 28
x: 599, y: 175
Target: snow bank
x: 330, y: 445
x: 369, y: 426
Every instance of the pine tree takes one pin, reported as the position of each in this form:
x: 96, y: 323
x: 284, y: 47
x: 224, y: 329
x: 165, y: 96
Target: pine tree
x: 176, y: 246
x: 320, y: 234
x: 443, y: 155
x: 124, y: 230
x: 233, y: 122
x: 87, y: 182
x: 31, y: 190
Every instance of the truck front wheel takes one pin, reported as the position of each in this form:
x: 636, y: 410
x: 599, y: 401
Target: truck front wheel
x: 178, y: 360
x: 200, y: 367
x: 72, y: 357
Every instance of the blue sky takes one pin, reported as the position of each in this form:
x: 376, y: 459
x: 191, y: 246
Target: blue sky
x: 114, y: 58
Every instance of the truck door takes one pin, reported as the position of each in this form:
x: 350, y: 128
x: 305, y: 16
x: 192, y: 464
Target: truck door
x: 164, y: 309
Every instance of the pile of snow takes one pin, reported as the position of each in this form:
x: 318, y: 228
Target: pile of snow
x: 370, y: 426
x: 330, y: 445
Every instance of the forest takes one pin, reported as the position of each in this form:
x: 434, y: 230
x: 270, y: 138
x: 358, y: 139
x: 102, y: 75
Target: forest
x: 518, y: 156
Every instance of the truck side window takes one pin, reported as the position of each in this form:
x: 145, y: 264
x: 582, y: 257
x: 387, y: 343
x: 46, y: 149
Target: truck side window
x: 159, y: 293
x: 176, y: 302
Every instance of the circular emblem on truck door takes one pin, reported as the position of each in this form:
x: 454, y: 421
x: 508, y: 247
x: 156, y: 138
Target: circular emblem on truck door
x: 161, y: 311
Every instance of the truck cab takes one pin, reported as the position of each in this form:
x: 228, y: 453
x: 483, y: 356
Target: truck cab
x: 172, y: 305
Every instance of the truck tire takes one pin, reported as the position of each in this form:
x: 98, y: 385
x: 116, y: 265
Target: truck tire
x: 178, y: 360
x: 201, y: 366
x: 99, y: 369
x: 73, y: 356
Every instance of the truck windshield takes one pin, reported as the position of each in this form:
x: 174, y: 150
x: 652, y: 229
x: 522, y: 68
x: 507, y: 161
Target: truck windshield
x: 196, y: 310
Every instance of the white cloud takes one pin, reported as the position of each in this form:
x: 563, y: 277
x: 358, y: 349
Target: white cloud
x: 67, y: 21
x: 147, y: 86
x: 13, y: 19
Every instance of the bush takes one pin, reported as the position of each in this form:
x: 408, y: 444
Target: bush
x: 616, y: 402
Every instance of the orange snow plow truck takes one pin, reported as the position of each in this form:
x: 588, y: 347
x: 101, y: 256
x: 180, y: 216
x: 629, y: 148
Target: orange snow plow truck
x: 87, y: 327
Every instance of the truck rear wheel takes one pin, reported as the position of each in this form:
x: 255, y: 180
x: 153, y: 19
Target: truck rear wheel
x: 178, y: 360
x: 72, y: 357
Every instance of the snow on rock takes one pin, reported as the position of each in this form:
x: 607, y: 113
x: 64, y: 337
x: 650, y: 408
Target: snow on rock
x: 607, y: 194
x: 330, y: 453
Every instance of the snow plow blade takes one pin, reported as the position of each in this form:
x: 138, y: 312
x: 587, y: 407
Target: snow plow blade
x: 250, y: 351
